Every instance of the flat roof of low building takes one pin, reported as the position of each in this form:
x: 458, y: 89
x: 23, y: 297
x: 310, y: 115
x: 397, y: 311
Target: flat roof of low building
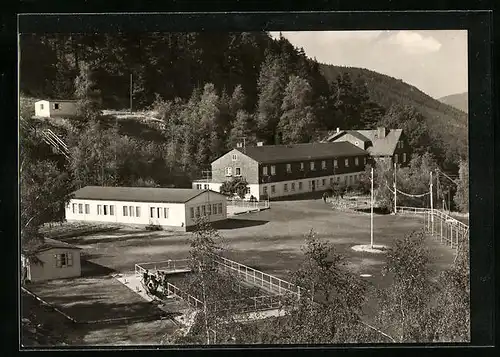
x: 298, y: 152
x: 139, y: 194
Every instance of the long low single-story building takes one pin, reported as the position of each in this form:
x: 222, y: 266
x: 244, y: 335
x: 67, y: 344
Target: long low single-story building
x: 54, y: 260
x: 171, y: 208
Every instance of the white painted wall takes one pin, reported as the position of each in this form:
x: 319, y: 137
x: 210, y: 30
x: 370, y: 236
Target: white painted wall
x: 49, y: 269
x: 176, y: 213
x: 45, y: 108
x: 306, y: 185
x: 214, y: 186
x: 204, y: 200
x: 42, y: 108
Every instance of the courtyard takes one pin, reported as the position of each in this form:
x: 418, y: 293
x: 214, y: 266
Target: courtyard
x: 269, y: 240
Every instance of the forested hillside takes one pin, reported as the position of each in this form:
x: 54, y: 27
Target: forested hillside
x: 209, y: 90
x: 459, y: 101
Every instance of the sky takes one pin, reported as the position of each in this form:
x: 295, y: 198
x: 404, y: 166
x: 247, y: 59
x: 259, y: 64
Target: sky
x: 434, y: 61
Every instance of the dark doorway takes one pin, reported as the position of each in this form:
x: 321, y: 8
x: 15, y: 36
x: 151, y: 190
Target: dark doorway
x: 313, y: 185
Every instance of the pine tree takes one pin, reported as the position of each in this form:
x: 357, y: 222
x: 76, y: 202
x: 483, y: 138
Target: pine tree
x: 271, y: 84
x: 462, y: 195
x: 242, y: 128
x: 297, y: 122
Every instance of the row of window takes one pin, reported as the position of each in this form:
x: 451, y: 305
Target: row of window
x: 348, y: 179
x: 127, y: 211
x: 206, y: 210
x: 396, y: 158
x: 199, y: 186
x: 64, y: 260
x: 312, y: 166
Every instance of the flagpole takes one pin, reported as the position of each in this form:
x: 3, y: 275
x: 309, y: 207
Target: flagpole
x: 371, y: 218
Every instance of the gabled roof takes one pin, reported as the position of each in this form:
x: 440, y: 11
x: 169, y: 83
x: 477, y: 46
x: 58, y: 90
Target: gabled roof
x: 49, y: 243
x: 139, y: 194
x: 296, y: 152
x: 380, y: 146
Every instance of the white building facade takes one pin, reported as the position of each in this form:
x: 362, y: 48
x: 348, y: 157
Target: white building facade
x: 170, y: 208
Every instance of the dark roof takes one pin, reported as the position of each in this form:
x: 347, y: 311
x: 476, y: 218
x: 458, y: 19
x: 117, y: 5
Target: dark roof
x: 138, y: 194
x: 297, y: 152
x: 49, y: 243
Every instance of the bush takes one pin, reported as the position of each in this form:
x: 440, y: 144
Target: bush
x: 154, y: 227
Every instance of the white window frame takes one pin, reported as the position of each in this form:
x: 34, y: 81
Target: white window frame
x: 125, y: 211
x: 234, y: 157
x: 265, y: 171
x: 80, y: 208
x: 131, y: 211
x: 198, y: 186
x: 312, y: 166
x: 229, y: 171
x: 236, y: 173
x: 74, y: 208
x: 404, y: 157
x: 273, y: 170
x: 220, y: 208
x: 288, y: 168
x: 346, y: 162
x: 68, y: 260
x: 285, y: 187
x: 111, y: 210
x: 209, y: 209
x: 105, y: 210
x: 99, y: 210
x: 214, y: 206
x: 356, y: 161
x: 323, y: 165
x: 335, y: 164
x: 293, y: 186
x: 87, y: 208
x: 273, y: 189
x: 301, y: 166
x: 137, y: 211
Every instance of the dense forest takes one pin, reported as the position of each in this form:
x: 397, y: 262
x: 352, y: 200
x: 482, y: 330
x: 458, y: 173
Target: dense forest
x: 207, y: 91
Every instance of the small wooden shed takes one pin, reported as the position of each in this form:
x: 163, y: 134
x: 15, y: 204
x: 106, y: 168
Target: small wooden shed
x: 54, y: 260
x: 55, y: 108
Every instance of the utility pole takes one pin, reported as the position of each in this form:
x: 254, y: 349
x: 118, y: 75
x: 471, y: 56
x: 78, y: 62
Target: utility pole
x: 395, y: 193
x: 371, y: 218
x: 432, y: 208
x: 131, y: 92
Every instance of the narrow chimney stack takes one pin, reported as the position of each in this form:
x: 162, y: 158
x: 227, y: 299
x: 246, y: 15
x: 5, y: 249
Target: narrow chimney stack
x: 239, y: 145
x: 338, y: 130
x: 380, y: 132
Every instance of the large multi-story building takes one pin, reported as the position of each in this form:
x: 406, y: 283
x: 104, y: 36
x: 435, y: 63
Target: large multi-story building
x: 283, y: 170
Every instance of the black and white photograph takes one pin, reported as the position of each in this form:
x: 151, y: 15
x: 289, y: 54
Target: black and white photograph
x: 244, y: 188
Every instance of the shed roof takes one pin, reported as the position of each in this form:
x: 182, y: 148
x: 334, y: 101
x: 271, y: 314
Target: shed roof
x: 58, y: 100
x: 297, y: 152
x: 49, y: 243
x: 139, y: 194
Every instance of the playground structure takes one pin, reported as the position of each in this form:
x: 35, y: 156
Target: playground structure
x: 438, y: 224
x: 270, y: 290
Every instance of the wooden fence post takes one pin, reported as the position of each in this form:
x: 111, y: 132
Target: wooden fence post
x: 451, y: 235
x: 441, y: 220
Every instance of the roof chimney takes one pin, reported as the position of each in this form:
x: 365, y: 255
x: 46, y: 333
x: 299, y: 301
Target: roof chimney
x: 338, y: 130
x: 380, y: 132
x: 239, y: 145
x: 260, y: 143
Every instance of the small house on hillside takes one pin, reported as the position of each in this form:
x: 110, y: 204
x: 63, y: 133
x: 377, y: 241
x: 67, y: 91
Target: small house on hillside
x: 388, y: 146
x: 172, y: 208
x: 53, y: 260
x: 55, y: 108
